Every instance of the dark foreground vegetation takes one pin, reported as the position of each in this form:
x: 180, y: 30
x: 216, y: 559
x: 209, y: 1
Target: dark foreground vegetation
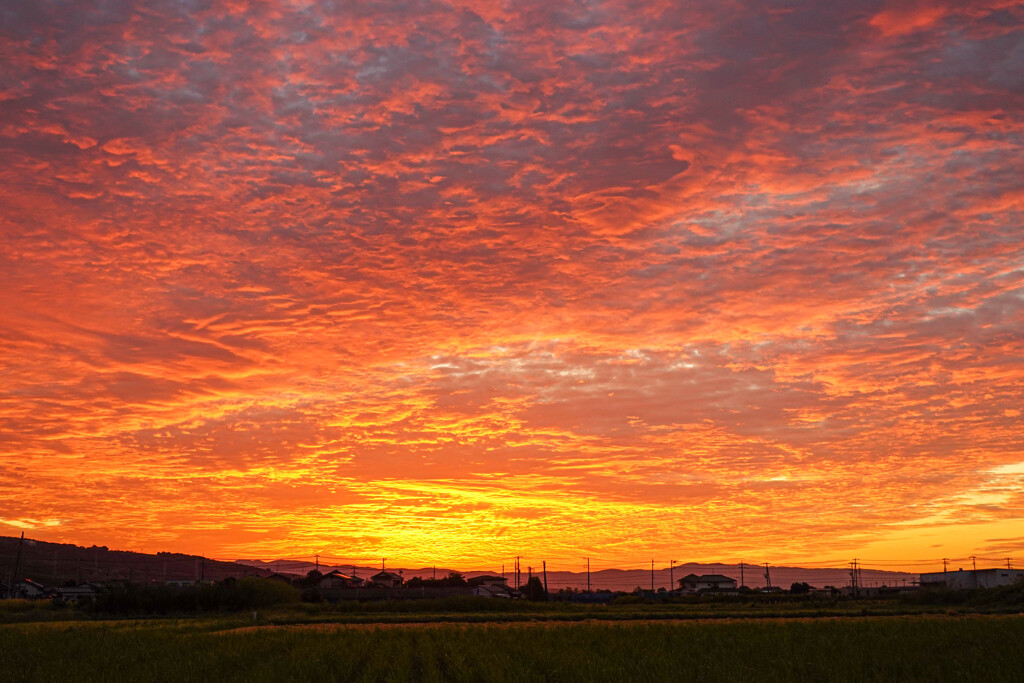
x: 920, y: 648
x: 281, y: 602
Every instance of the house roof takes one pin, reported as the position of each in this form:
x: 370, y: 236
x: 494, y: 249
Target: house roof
x: 85, y: 587
x: 477, y: 580
x: 387, y: 575
x: 690, y: 577
x: 716, y: 577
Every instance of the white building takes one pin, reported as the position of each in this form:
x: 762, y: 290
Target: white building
x: 84, y: 591
x: 384, y: 579
x: 336, y: 579
x: 973, y: 578
x: 27, y: 588
x: 691, y: 583
x: 490, y: 587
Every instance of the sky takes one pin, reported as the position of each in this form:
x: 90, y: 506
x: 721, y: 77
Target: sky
x: 451, y: 282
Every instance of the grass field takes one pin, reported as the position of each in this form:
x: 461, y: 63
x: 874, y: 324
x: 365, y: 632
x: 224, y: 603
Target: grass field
x: 908, y: 648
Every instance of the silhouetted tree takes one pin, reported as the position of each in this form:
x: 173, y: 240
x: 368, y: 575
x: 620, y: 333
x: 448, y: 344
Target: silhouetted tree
x: 534, y: 590
x: 312, y: 578
x: 454, y: 578
x: 800, y: 588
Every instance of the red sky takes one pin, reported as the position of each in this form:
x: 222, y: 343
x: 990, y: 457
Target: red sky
x: 457, y: 281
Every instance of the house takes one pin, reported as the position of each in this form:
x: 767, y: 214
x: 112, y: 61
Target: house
x: 691, y: 583
x: 688, y: 584
x: 29, y: 589
x: 490, y: 587
x: 84, y: 591
x: 283, y: 578
x: 492, y: 591
x: 972, y: 578
x: 386, y: 579
x: 487, y: 580
x: 336, y: 579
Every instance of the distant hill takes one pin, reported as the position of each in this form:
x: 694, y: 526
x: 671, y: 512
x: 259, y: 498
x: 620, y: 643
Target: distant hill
x: 57, y: 563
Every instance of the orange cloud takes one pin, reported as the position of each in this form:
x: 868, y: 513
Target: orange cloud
x: 467, y: 283
x: 906, y: 17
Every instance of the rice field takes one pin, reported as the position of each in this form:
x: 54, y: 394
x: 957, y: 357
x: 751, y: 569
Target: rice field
x: 912, y: 648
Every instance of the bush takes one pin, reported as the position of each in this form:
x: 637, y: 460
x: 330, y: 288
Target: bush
x: 244, y: 594
x: 7, y: 606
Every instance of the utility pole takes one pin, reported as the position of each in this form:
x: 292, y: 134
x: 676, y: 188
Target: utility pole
x: 767, y: 577
x: 974, y: 563
x: 945, y: 567
x: 17, y: 567
x: 854, y: 583
x: 1008, y: 563
x: 544, y: 565
x: 434, y: 568
x: 671, y: 575
x: 742, y: 581
x: 652, y: 576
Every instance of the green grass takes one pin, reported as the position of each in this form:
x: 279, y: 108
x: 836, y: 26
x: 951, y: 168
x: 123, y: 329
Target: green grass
x: 478, y: 610
x: 909, y: 648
